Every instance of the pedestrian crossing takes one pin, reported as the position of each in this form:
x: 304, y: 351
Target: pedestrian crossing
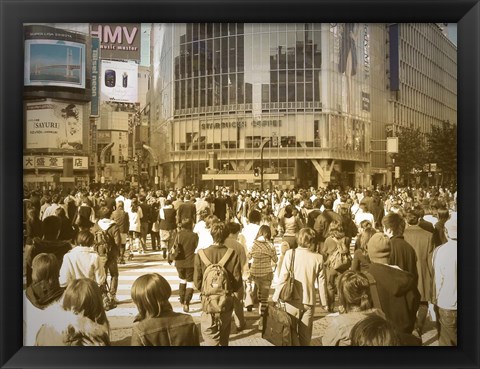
x: 149, y: 262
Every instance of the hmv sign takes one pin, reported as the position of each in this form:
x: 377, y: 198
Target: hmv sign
x: 118, y: 40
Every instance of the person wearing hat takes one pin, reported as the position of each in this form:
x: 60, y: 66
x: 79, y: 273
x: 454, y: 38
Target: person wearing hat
x: 445, y: 285
x: 397, y: 289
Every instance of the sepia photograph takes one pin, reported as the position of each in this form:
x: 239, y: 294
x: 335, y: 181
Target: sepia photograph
x: 243, y: 184
x: 236, y: 184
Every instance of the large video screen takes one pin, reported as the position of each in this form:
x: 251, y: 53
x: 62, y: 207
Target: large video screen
x: 54, y: 63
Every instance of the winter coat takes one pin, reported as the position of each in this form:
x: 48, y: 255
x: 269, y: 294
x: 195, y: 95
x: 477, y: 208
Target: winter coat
x: 69, y: 329
x: 41, y: 302
x: 168, y: 221
x: 170, y: 329
x: 403, y: 255
x: 398, y: 295
x: 422, y: 243
x: 188, y: 242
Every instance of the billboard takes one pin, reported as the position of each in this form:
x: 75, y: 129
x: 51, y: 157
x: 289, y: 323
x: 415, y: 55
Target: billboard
x: 119, y: 81
x: 54, y: 57
x: 54, y: 125
x: 94, y: 111
x: 118, y: 40
x: 53, y: 162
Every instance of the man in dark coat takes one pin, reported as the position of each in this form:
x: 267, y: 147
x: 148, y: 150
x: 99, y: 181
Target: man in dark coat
x: 187, y: 210
x: 397, y: 289
x: 402, y: 253
x: 423, y: 244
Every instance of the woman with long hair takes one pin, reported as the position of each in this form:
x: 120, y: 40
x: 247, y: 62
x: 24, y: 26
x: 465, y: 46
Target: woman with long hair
x: 83, y: 321
x: 291, y: 225
x: 308, y: 272
x: 361, y: 260
x: 156, y: 323
x: 355, y: 303
x: 334, y: 241
x: 134, y: 218
x: 263, y: 256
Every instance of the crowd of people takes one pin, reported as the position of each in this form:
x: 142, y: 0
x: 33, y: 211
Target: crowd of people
x: 379, y: 262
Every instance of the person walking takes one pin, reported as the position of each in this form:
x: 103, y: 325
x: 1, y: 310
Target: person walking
x: 263, y: 256
x: 308, y: 270
x: 445, y: 286
x: 215, y: 325
x: 184, y: 263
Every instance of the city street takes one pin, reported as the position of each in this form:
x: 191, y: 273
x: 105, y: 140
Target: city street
x: 121, y: 318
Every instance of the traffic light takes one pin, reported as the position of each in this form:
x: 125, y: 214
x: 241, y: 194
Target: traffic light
x: 256, y: 171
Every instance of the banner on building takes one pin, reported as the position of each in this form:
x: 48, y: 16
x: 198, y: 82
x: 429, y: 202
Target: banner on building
x: 54, y: 125
x: 54, y: 57
x: 95, y: 74
x: 53, y: 162
x: 119, y: 81
x: 118, y: 40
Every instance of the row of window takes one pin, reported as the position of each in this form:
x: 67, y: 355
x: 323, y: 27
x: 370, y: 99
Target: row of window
x: 434, y: 103
x: 232, y: 88
x: 429, y: 39
x: 236, y: 53
x: 201, y: 31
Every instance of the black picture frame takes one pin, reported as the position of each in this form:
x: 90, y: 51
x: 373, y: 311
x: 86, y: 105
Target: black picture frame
x: 15, y: 13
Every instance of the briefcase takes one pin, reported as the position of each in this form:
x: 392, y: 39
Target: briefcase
x: 278, y: 328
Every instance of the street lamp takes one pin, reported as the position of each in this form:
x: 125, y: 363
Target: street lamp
x: 265, y: 141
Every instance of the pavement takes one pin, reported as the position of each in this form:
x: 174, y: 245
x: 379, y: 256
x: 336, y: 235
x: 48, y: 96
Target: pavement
x: 121, y: 318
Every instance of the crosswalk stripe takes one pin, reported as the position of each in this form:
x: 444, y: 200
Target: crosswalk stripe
x: 134, y: 277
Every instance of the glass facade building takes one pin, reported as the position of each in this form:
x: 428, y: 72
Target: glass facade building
x: 318, y: 93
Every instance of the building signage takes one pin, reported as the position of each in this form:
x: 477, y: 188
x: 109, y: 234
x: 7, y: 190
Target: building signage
x: 117, y: 40
x: 53, y: 162
x: 95, y: 75
x: 119, y: 81
x: 242, y: 124
x: 54, y: 125
x: 54, y: 57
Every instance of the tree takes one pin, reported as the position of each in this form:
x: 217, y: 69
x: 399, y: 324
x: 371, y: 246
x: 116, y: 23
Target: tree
x: 442, y: 149
x: 412, y: 154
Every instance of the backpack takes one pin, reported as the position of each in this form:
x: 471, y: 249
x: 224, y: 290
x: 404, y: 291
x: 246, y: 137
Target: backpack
x: 215, y: 293
x: 339, y: 261
x: 174, y: 251
x: 103, y: 243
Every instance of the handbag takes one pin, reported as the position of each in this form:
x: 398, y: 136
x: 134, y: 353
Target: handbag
x: 174, y: 250
x: 338, y: 260
x: 287, y: 293
x: 278, y: 328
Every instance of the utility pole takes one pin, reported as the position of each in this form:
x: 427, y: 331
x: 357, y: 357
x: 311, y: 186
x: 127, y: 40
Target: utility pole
x: 265, y: 141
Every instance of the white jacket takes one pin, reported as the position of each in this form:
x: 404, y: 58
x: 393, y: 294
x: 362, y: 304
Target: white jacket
x: 81, y: 262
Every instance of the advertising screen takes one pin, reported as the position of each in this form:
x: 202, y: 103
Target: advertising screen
x: 54, y: 57
x: 54, y: 125
x: 119, y: 81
